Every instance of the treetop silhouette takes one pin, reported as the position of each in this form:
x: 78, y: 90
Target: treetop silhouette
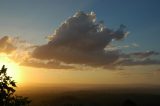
x: 7, y: 90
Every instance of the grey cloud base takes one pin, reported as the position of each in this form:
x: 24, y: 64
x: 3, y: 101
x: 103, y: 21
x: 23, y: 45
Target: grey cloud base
x: 81, y: 40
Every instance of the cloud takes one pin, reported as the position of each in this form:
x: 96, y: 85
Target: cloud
x: 6, y: 45
x: 119, y: 47
x: 138, y: 58
x: 144, y: 54
x: 42, y: 64
x: 139, y: 55
x: 135, y: 45
x: 81, y: 40
x: 19, y: 51
x: 132, y: 62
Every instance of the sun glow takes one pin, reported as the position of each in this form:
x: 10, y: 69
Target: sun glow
x: 13, y: 69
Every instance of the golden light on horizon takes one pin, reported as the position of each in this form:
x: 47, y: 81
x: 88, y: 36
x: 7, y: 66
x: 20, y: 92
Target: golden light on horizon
x: 13, y: 69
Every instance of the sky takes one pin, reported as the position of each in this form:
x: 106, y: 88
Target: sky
x: 81, y: 41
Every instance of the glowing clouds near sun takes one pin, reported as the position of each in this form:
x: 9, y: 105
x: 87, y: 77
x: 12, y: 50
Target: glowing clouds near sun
x: 6, y: 45
x: 79, y: 40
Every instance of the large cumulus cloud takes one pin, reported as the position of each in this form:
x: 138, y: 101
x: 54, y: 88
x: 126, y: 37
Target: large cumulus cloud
x: 81, y: 40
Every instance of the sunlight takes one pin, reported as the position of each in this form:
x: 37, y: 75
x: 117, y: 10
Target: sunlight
x: 13, y: 69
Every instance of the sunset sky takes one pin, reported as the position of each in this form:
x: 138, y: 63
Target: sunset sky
x: 81, y: 41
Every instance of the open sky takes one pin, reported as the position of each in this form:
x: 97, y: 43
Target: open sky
x: 81, y: 41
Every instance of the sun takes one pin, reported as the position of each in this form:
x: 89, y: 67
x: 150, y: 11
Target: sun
x: 13, y: 69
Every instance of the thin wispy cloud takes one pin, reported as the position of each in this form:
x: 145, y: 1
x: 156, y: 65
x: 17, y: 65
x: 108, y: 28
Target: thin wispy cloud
x: 134, y: 62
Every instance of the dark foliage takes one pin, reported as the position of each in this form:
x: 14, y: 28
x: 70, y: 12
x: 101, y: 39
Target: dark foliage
x: 7, y: 90
x: 129, y: 102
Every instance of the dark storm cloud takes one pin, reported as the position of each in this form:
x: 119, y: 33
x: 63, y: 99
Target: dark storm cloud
x: 81, y: 40
x: 6, y: 45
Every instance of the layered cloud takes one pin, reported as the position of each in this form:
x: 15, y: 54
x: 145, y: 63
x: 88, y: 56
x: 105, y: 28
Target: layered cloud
x: 81, y: 40
x: 144, y: 54
x: 133, y: 62
x: 45, y: 64
x: 138, y: 58
x: 140, y: 55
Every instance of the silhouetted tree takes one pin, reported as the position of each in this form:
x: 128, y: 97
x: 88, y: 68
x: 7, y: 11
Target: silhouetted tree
x: 7, y: 90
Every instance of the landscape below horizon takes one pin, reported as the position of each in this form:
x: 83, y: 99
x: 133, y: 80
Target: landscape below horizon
x: 91, y: 95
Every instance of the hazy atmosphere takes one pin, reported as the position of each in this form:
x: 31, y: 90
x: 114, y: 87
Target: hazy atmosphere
x: 81, y: 44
